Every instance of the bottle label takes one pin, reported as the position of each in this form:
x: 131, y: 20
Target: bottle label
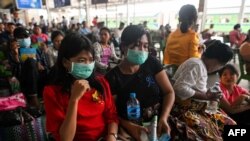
x: 133, y: 112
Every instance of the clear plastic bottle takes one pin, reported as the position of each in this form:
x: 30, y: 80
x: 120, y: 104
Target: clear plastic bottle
x: 153, y: 131
x: 152, y: 127
x: 164, y: 137
x: 212, y: 106
x: 133, y: 108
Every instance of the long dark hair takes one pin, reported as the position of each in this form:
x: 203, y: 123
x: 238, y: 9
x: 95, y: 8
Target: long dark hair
x: 71, y: 46
x: 230, y: 67
x: 108, y: 30
x: 215, y: 49
x: 187, y: 16
x: 133, y: 33
x: 54, y: 34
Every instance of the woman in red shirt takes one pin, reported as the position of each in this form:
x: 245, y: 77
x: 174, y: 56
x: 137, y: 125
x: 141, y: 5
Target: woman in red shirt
x: 78, y: 105
x: 236, y: 100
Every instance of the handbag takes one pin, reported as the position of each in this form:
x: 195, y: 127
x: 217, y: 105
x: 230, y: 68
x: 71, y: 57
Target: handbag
x: 33, y: 130
x: 14, y: 117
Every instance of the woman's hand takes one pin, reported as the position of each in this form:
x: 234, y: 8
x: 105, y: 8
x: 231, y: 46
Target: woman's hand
x: 240, y: 100
x: 163, y: 126
x: 213, y: 96
x: 247, y: 98
x: 138, y: 131
x: 110, y: 138
x: 40, y: 67
x: 78, y: 89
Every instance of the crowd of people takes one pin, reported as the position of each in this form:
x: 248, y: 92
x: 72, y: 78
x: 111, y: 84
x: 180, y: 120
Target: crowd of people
x: 85, y: 97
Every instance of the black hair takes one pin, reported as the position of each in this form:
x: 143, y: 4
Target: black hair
x: 11, y: 23
x: 211, y: 25
x: 108, y: 30
x: 187, y: 16
x: 132, y: 33
x: 10, y: 42
x: 37, y: 26
x: 54, y: 34
x: 21, y: 32
x: 230, y: 67
x: 236, y: 26
x: 105, y: 28
x: 19, y: 25
x: 122, y: 23
x: 71, y: 46
x: 217, y: 50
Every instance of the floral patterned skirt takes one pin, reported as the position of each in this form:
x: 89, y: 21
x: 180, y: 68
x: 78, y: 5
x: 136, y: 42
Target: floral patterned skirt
x: 189, y: 121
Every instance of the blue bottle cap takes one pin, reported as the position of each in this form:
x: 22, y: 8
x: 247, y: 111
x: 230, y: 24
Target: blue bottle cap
x: 132, y: 95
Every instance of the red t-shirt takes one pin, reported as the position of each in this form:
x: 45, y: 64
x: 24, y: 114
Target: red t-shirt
x: 93, y: 115
x: 231, y: 97
x: 39, y: 38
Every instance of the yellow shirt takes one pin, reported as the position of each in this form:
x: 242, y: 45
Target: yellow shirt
x: 181, y: 46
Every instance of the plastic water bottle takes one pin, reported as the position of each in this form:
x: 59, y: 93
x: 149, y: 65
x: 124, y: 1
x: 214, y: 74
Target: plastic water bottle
x: 164, y: 137
x: 133, y: 108
x: 153, y: 132
x: 213, y: 105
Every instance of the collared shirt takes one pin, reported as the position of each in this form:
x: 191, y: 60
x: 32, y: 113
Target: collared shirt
x: 190, y: 77
x: 231, y: 97
x: 18, y: 21
x: 84, y: 31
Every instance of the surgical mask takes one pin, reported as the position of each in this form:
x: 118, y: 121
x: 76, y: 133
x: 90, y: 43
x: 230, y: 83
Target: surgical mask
x: 24, y: 43
x: 82, y: 71
x: 137, y: 57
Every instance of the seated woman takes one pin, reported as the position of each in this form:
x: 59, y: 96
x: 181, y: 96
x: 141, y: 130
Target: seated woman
x: 56, y: 37
x: 192, y: 95
x: 24, y: 65
x: 104, y: 51
x: 183, y: 43
x: 143, y: 74
x: 236, y: 100
x: 78, y: 105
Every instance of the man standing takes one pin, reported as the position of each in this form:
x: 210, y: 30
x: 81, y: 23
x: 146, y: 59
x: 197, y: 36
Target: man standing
x: 16, y: 20
x: 235, y: 36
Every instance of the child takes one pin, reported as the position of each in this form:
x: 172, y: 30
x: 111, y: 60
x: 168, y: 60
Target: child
x: 236, y: 100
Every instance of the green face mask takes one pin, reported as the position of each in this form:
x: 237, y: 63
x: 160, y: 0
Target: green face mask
x: 137, y: 57
x: 82, y: 71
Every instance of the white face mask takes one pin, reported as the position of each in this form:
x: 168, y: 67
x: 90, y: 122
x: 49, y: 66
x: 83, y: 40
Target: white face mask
x: 24, y: 43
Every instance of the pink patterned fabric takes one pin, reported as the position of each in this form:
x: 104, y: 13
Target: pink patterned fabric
x: 12, y: 102
x: 106, y: 54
